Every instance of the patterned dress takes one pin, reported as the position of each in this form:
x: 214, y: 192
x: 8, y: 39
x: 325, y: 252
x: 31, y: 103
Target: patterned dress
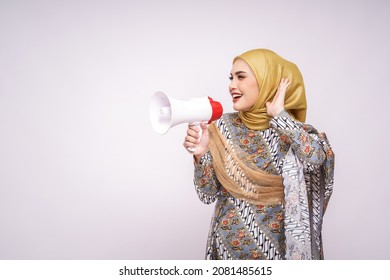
x: 241, y: 230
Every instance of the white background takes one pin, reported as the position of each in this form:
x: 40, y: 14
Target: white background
x: 84, y: 176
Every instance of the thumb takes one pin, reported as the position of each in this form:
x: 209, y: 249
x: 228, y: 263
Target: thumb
x: 205, y: 132
x: 204, y: 127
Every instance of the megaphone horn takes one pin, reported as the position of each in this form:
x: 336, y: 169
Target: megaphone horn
x: 166, y: 112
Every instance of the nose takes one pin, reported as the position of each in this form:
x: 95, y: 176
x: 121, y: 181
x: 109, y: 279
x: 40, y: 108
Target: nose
x: 232, y: 85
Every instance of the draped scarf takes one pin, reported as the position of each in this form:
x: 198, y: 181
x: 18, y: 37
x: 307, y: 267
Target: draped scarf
x: 240, y: 177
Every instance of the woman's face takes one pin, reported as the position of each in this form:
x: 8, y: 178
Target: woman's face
x: 243, y: 86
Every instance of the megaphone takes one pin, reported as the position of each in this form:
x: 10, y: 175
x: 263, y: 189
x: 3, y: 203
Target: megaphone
x: 166, y: 112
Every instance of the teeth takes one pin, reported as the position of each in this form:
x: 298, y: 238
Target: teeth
x: 236, y: 95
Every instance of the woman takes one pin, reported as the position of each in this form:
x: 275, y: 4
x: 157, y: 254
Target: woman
x: 271, y: 174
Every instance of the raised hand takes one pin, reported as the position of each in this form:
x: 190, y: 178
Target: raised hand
x: 277, y: 104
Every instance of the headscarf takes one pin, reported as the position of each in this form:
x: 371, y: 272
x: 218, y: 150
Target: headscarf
x: 269, y: 68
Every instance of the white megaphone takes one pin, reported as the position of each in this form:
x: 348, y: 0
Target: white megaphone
x: 166, y: 112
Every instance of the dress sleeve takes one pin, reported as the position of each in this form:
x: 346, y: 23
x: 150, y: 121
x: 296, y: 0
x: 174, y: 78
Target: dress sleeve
x: 312, y: 148
x: 206, y: 183
x: 302, y: 138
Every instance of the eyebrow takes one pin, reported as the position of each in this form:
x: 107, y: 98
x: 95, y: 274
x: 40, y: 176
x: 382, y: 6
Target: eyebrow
x: 238, y: 73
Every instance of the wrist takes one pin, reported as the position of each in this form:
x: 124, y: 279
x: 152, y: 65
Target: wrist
x: 197, y: 158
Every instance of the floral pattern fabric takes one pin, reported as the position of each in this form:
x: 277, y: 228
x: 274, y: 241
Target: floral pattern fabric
x: 239, y: 229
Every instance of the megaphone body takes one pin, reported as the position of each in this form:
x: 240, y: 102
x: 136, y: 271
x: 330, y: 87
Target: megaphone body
x: 166, y: 112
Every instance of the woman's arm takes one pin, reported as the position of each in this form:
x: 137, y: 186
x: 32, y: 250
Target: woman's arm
x: 205, y: 180
x: 302, y: 138
x: 309, y: 145
x: 206, y: 183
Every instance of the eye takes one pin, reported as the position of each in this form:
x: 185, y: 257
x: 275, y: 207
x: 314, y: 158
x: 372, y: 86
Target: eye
x: 231, y: 78
x: 240, y: 77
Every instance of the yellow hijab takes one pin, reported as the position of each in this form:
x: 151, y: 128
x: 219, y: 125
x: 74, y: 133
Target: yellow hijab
x: 269, y: 68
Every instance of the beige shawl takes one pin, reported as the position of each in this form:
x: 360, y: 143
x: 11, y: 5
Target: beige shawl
x: 239, y: 176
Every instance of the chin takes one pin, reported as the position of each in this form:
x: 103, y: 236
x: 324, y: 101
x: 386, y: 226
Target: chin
x: 239, y: 108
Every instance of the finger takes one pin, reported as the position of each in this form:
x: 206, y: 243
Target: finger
x: 279, y: 97
x: 190, y: 148
x: 193, y: 133
x: 283, y: 85
x: 190, y: 141
x: 193, y: 127
x: 286, y: 82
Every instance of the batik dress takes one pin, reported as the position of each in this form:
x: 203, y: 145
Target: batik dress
x: 287, y: 230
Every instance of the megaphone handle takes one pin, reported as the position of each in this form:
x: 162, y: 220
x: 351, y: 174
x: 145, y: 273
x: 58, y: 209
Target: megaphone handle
x: 197, y: 124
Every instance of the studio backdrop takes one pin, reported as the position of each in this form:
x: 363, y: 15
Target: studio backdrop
x: 84, y: 176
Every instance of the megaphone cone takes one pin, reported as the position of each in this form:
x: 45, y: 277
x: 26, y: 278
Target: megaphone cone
x: 166, y: 112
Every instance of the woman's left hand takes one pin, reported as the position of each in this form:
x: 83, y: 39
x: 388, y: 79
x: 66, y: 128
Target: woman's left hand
x: 277, y: 104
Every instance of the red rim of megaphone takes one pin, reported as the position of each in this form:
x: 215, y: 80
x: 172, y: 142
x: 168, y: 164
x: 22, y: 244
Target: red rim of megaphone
x: 217, y: 110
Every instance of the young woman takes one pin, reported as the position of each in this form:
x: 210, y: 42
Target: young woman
x: 271, y: 174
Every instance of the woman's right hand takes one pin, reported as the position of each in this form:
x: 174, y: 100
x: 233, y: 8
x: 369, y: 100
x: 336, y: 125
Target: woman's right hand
x: 192, y: 140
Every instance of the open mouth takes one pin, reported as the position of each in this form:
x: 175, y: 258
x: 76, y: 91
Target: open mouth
x: 236, y: 96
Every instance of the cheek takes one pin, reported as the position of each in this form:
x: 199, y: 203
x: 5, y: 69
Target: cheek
x: 255, y: 90
x: 254, y: 94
